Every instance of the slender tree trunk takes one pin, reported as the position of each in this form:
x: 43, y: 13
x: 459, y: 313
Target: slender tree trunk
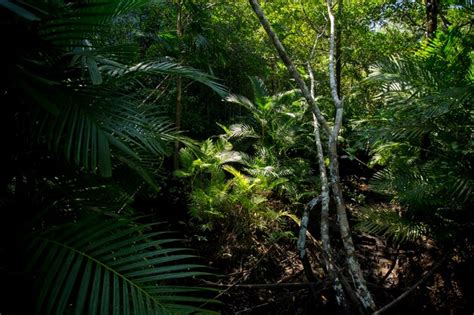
x: 325, y: 239
x: 338, y: 55
x: 353, y: 265
x: 432, y: 10
x: 362, y: 292
x: 179, y: 88
x: 289, y: 65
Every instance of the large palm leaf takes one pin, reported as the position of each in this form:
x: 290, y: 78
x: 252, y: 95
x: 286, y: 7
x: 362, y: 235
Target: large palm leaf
x: 112, y: 266
x: 95, y: 117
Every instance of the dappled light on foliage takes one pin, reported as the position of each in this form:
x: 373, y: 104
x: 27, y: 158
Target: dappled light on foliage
x: 237, y: 157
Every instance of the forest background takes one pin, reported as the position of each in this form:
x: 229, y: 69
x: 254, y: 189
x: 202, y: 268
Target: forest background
x: 135, y: 131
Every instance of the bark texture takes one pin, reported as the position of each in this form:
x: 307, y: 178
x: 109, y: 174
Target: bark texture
x: 363, y: 295
x: 432, y: 9
x: 325, y: 239
x: 361, y: 289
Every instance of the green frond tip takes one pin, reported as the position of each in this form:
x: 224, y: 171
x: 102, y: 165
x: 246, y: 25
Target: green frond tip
x: 113, y: 266
x: 387, y: 222
x: 167, y: 68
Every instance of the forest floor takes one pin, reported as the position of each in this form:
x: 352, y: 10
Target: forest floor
x: 259, y: 275
x: 269, y: 278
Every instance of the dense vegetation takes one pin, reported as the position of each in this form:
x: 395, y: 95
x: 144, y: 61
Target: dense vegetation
x: 237, y: 157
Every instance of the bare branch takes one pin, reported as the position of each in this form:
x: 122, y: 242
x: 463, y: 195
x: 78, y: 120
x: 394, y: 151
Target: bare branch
x: 265, y: 285
x: 412, y: 288
x: 332, y: 48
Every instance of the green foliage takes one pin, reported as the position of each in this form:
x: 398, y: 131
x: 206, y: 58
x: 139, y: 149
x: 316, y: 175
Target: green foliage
x: 74, y: 97
x: 389, y: 223
x: 215, y: 36
x: 244, y: 190
x: 221, y: 194
x: 280, y: 136
x: 112, y: 266
x: 422, y: 133
x: 96, y: 117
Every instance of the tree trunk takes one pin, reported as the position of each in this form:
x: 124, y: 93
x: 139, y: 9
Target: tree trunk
x: 432, y: 8
x: 289, y: 65
x: 362, y: 292
x: 179, y: 89
x: 325, y: 239
x: 338, y: 55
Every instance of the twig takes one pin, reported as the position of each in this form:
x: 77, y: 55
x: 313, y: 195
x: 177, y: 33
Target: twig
x: 412, y: 288
x: 241, y: 278
x: 155, y: 89
x: 250, y: 309
x: 355, y: 158
x: 394, y: 263
x: 278, y: 285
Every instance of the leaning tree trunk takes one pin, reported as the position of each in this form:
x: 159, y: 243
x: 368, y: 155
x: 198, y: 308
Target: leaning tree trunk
x: 362, y: 292
x: 289, y: 65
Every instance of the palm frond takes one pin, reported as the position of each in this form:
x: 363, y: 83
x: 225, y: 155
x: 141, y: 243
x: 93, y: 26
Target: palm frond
x: 154, y: 68
x: 21, y: 11
x: 88, y: 132
x: 113, y: 266
x: 401, y: 74
x: 85, y: 193
x: 94, y: 119
x: 242, y: 101
x: 78, y: 24
x: 387, y: 222
x: 240, y: 132
x: 430, y: 184
x: 260, y: 92
x: 287, y: 97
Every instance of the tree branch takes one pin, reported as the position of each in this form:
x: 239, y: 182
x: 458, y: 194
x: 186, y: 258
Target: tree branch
x: 332, y: 48
x: 412, y: 288
x: 266, y: 285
